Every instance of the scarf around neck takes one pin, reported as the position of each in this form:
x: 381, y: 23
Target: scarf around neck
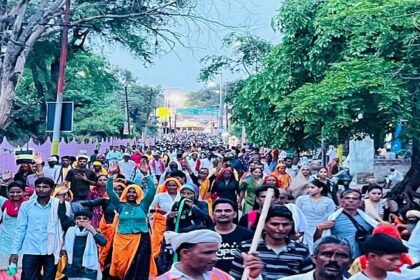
x: 12, y: 209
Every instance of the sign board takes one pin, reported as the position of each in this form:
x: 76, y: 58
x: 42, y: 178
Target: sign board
x: 162, y: 113
x: 194, y: 111
x: 66, y: 116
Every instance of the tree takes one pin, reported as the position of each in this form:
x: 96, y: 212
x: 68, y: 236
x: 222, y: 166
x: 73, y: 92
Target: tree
x: 247, y: 55
x: 343, y: 70
x: 140, y: 25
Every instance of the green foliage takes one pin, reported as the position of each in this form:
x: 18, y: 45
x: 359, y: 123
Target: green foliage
x: 248, y: 52
x: 344, y: 69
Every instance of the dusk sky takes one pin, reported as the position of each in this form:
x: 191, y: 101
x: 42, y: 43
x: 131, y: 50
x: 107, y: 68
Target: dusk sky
x: 179, y: 69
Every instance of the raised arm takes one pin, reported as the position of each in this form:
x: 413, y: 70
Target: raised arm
x: 110, y: 191
x: 150, y: 194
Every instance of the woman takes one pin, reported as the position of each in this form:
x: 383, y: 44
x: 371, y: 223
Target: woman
x: 98, y: 191
x: 315, y: 207
x: 375, y: 206
x: 107, y: 224
x: 161, y: 206
x: 9, y: 211
x: 281, y: 175
x: 248, y: 188
x: 225, y: 186
x: 99, y: 169
x: 269, y: 164
x: 330, y: 188
x: 132, y: 252
x: 299, y: 183
x: 188, y: 212
x: 271, y: 180
x: 25, y: 169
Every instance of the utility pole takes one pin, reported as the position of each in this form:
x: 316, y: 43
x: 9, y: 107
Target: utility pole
x: 61, y: 81
x: 146, y: 124
x: 127, y: 111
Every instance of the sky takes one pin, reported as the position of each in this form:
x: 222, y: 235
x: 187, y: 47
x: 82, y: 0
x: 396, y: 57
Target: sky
x: 179, y: 68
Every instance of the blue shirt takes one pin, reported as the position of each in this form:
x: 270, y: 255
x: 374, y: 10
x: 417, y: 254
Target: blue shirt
x: 31, y: 236
x: 344, y: 228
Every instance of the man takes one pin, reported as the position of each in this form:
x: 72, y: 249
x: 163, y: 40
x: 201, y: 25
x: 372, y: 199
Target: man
x: 224, y: 212
x: 65, y: 167
x: 38, y: 233
x: 331, y: 257
x: 290, y: 168
x: 127, y: 166
x: 52, y: 170
x: 281, y: 256
x: 394, y: 177
x: 157, y: 165
x: 383, y: 254
x: 79, y: 180
x: 114, y: 155
x: 348, y: 221
x: 197, y: 254
x: 194, y: 163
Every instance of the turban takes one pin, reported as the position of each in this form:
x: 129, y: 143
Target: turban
x: 192, y: 237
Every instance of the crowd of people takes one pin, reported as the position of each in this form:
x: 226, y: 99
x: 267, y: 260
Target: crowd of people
x: 187, y: 208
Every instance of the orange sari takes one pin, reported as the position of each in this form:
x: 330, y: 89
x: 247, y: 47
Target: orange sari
x: 204, y: 189
x: 108, y: 231
x: 125, y: 249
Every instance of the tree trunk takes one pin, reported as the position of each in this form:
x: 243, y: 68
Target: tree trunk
x: 407, y: 189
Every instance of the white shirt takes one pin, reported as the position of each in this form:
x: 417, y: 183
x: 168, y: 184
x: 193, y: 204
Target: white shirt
x: 52, y: 172
x: 389, y: 276
x: 127, y: 168
x: 164, y: 200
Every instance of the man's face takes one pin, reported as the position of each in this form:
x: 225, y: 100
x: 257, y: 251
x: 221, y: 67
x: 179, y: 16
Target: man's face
x: 81, y: 219
x: 261, y: 197
x: 288, y: 162
x: 114, y: 148
x: 43, y: 190
x: 388, y: 262
x: 81, y: 163
x: 283, y: 197
x: 65, y: 162
x: 331, y: 261
x: 52, y: 163
x: 278, y: 228
x: 351, y: 201
x: 200, y: 258
x: 223, y: 213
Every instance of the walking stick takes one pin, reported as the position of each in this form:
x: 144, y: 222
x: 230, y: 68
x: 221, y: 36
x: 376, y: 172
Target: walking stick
x: 258, y: 231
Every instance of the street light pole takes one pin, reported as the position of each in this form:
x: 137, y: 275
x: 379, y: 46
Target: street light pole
x: 61, y: 81
x: 127, y: 111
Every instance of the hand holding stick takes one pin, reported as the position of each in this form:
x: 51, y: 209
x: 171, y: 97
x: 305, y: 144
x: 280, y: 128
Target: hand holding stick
x: 258, y: 231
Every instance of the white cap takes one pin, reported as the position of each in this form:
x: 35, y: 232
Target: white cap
x: 193, y: 237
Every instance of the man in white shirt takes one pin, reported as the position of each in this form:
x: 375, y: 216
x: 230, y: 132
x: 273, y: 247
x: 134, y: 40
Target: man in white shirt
x: 52, y: 171
x: 383, y: 254
x: 127, y: 166
x: 332, y: 257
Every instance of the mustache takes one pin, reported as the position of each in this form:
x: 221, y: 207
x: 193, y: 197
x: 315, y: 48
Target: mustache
x: 333, y: 266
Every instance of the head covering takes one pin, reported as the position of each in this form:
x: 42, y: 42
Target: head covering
x: 162, y: 188
x: 52, y: 159
x: 83, y: 157
x: 387, y: 229
x: 191, y: 187
x: 221, y: 173
x: 97, y: 163
x: 271, y: 176
x: 192, y: 237
x: 138, y: 190
x: 299, y: 183
x: 383, y: 244
x: 126, y: 155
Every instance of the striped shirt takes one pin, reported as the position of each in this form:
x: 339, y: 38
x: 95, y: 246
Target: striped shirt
x: 293, y: 259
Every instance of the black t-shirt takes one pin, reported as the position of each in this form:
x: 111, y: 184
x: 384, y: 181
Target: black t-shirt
x: 80, y: 188
x: 228, y: 247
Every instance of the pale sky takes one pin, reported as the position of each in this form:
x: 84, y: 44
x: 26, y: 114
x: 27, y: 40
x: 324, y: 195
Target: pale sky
x: 179, y: 69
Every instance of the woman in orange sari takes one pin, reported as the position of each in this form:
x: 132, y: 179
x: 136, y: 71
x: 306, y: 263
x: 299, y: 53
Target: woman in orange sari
x: 132, y: 251
x: 281, y: 175
x: 162, y: 203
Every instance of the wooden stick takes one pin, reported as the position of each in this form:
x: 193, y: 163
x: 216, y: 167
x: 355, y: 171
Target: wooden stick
x: 258, y: 230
